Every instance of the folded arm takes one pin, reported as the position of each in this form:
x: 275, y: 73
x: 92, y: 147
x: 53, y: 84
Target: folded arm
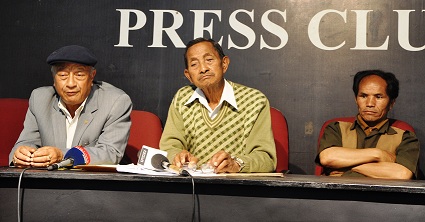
x: 371, y: 162
x: 341, y: 157
x: 384, y: 170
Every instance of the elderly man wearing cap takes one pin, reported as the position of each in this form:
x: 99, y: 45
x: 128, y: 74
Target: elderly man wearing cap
x: 75, y: 112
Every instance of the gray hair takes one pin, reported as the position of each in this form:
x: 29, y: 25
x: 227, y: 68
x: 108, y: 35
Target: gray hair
x: 54, y: 68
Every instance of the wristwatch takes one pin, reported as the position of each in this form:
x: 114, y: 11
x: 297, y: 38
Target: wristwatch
x: 239, y: 161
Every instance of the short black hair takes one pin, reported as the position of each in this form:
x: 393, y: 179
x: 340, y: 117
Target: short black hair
x: 217, y: 47
x: 392, y: 82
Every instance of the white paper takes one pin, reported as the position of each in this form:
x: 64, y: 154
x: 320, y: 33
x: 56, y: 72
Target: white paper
x: 139, y: 169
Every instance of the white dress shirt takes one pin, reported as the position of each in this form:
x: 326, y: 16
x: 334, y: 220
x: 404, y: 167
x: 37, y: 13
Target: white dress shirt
x: 228, y: 95
x: 71, y: 123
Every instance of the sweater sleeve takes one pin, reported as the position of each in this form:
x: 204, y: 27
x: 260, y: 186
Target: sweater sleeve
x: 173, y: 140
x: 260, y: 151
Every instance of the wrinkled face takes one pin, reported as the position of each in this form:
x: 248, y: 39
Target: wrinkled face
x: 205, y: 68
x: 372, y: 100
x: 73, y: 83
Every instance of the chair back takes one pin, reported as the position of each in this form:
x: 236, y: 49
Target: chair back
x: 146, y: 129
x: 281, y: 139
x: 12, y: 116
x: 397, y: 123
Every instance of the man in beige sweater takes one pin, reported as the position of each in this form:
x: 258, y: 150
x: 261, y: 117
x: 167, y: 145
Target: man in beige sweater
x: 217, y: 121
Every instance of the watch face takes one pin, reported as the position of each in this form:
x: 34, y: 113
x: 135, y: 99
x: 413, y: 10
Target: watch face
x: 240, y: 162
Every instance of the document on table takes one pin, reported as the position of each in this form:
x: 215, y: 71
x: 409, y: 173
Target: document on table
x: 138, y: 169
x: 131, y: 168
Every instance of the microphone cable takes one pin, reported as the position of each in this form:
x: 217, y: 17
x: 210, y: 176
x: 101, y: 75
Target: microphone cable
x: 186, y: 173
x: 20, y: 200
x: 160, y: 162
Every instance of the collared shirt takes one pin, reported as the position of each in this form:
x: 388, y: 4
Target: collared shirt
x: 368, y: 137
x: 228, y: 95
x: 71, y: 123
x: 368, y: 129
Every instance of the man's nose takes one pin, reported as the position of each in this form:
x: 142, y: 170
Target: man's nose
x: 370, y: 102
x: 204, y: 68
x: 70, y: 82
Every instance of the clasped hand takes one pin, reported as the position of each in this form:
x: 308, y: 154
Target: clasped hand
x: 221, y: 161
x: 26, y: 156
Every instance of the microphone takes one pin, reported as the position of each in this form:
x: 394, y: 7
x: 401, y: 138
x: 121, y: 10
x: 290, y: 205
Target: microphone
x: 75, y: 156
x: 63, y: 163
x: 161, y: 162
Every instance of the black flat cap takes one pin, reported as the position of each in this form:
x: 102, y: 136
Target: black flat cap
x: 72, y: 53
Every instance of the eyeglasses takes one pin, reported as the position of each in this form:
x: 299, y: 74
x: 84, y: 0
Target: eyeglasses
x: 80, y: 75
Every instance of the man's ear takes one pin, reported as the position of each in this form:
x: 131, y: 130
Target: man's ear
x: 391, y: 104
x: 93, y: 73
x: 225, y: 61
x: 186, y: 73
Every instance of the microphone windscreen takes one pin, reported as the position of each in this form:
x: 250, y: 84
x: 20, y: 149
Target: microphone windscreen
x: 157, y: 161
x: 79, y: 154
